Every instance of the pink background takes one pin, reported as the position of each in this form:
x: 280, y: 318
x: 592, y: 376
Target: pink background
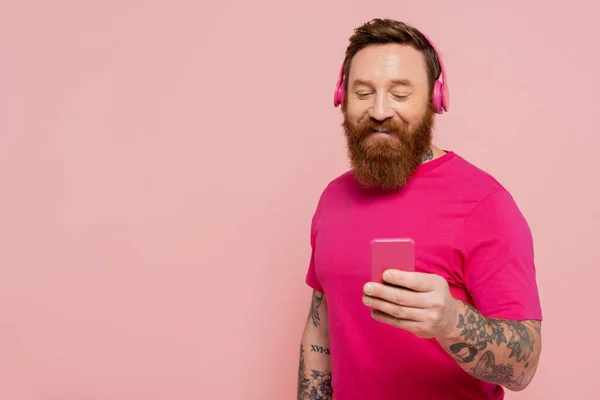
x: 156, y: 192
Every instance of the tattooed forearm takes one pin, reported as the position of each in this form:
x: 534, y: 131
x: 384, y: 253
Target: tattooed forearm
x: 503, y: 352
x: 314, y: 371
x: 317, y: 386
x: 317, y: 300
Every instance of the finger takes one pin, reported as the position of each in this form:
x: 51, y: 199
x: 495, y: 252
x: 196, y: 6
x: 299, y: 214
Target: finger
x: 397, y: 295
x: 408, y: 325
x: 393, y: 310
x: 417, y: 281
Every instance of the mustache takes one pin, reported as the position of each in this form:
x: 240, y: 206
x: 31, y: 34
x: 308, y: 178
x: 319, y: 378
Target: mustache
x: 371, y: 125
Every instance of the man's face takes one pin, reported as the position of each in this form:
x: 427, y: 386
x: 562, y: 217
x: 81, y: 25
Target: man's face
x: 388, y: 117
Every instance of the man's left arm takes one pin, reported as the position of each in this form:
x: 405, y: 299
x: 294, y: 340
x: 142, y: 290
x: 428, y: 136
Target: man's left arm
x: 498, y: 351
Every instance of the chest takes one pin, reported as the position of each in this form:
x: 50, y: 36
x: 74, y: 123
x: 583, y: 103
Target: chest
x: 344, y: 233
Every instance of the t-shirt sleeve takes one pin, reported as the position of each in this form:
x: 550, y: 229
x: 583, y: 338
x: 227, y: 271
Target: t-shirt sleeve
x: 311, y: 275
x: 496, y: 245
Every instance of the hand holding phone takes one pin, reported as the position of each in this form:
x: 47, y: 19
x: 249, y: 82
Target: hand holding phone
x: 394, y: 253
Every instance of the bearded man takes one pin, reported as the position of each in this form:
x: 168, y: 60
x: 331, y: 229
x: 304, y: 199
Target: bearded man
x: 466, y: 323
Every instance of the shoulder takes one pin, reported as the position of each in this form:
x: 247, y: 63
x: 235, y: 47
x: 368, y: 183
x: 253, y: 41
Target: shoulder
x: 472, y: 180
x: 341, y: 186
x: 337, y: 191
x: 345, y: 179
x: 489, y: 201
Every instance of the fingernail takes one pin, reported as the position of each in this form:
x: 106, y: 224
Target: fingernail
x: 387, y: 275
x: 368, y: 288
x: 366, y: 300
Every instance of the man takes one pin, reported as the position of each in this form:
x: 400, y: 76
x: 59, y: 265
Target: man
x: 466, y: 324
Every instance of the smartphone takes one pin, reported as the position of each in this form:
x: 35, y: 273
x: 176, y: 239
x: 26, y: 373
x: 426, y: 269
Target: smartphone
x: 395, y: 253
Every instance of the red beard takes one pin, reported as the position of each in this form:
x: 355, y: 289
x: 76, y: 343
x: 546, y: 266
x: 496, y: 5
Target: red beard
x: 387, y: 163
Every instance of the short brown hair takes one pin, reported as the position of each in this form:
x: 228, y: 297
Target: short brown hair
x: 384, y: 31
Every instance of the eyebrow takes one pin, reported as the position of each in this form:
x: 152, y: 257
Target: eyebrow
x: 396, y: 82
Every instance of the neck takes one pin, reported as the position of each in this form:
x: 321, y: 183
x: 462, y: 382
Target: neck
x: 432, y: 154
x: 428, y: 156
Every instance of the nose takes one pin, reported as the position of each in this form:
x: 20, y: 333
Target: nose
x: 381, y: 109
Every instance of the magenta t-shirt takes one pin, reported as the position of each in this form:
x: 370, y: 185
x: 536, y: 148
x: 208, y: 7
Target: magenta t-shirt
x: 466, y: 227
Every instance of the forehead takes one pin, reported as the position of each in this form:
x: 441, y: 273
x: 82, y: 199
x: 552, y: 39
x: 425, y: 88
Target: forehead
x: 380, y: 63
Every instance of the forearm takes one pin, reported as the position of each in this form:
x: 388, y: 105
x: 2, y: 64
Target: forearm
x: 314, y: 369
x: 503, y: 352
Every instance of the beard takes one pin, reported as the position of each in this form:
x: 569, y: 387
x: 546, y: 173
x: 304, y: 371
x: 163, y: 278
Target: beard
x: 387, y: 163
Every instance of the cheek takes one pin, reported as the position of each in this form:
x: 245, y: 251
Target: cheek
x: 355, y: 112
x: 411, y: 114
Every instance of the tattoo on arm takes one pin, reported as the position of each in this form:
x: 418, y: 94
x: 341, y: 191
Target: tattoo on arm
x: 303, y: 381
x: 538, y: 326
x: 487, y: 370
x: 317, y: 386
x: 501, y: 348
x: 317, y: 300
x: 320, y: 349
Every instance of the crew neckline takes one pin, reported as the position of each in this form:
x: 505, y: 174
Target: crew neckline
x: 433, y: 164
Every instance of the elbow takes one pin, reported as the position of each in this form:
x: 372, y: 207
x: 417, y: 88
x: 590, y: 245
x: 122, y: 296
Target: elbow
x: 529, y: 371
x: 520, y: 386
x: 526, y: 380
x: 532, y: 362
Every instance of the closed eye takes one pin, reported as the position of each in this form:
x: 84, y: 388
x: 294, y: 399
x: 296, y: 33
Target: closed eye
x: 362, y: 95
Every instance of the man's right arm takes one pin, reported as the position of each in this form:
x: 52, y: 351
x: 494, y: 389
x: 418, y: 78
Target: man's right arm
x: 314, y: 370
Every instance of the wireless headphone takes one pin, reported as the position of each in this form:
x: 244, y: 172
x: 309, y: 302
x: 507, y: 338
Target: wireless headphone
x: 441, y: 95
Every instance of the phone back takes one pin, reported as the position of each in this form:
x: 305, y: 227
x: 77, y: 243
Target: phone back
x: 398, y: 253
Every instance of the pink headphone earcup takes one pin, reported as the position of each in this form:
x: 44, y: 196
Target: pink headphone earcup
x: 446, y: 97
x: 338, y: 97
x: 437, y: 97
